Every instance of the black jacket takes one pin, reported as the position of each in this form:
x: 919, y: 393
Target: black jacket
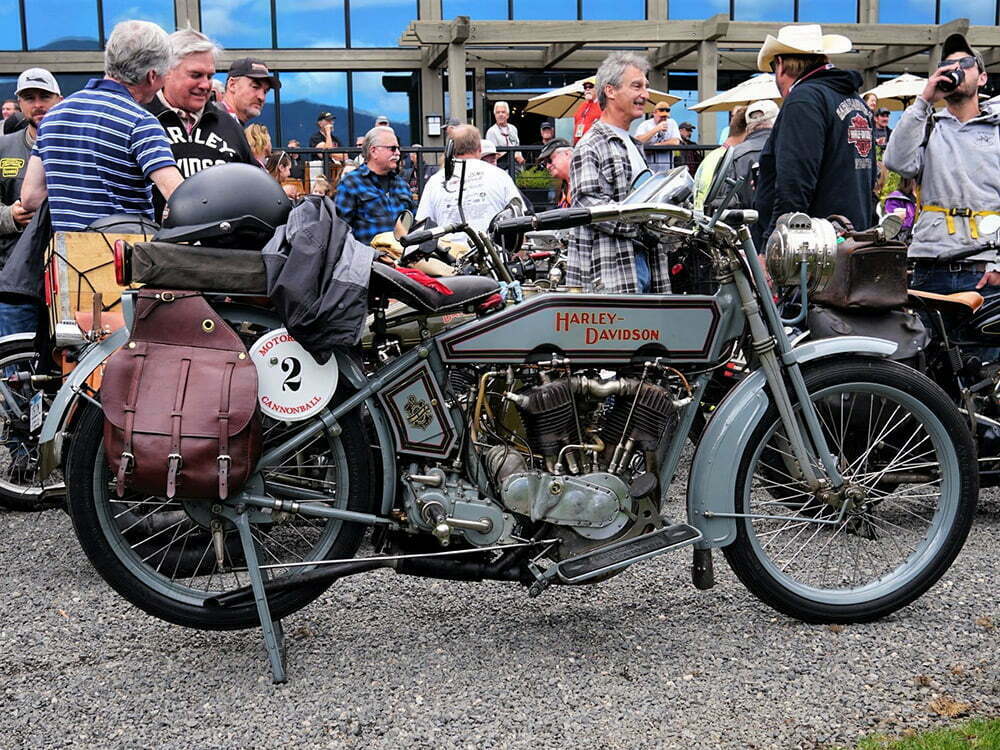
x: 216, y: 139
x: 820, y: 158
x: 317, y: 277
x: 23, y: 275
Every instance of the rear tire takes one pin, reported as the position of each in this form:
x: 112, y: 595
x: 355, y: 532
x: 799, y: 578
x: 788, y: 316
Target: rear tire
x: 139, y: 558
x: 908, y: 457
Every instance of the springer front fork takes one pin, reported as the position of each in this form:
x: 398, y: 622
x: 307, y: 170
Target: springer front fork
x: 771, y: 345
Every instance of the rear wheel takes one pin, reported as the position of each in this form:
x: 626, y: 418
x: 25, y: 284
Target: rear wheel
x: 909, y: 465
x: 160, y: 554
x: 21, y: 487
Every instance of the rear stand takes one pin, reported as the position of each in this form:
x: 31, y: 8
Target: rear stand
x: 274, y: 634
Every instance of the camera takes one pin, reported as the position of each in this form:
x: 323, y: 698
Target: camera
x: 952, y: 80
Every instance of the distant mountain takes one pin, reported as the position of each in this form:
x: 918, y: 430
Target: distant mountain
x: 71, y: 43
x: 298, y: 120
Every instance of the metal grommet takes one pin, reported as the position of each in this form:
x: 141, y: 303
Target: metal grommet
x: 131, y: 345
x: 241, y: 355
x: 167, y: 297
x: 208, y: 325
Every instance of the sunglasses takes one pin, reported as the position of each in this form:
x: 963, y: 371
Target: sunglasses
x: 963, y: 62
x: 663, y: 109
x: 391, y: 148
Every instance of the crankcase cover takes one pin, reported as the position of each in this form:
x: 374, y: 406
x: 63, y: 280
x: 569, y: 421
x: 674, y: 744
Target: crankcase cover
x: 593, y: 500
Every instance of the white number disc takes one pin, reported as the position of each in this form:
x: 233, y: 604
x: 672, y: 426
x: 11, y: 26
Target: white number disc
x: 291, y: 385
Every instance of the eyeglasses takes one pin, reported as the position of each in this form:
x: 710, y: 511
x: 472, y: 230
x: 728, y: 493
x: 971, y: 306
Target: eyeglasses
x: 663, y: 109
x: 963, y: 62
x: 391, y: 148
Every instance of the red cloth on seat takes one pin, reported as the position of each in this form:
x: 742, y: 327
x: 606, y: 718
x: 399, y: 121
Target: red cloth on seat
x: 422, y: 278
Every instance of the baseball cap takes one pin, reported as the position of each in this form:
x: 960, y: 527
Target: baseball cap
x: 37, y: 78
x: 957, y: 43
x: 662, y: 106
x: 765, y: 109
x: 325, y: 116
x: 686, y: 126
x: 551, y: 147
x: 588, y: 84
x: 453, y: 121
x: 381, y: 120
x: 251, y: 67
x: 547, y: 124
x: 487, y: 147
x: 882, y: 111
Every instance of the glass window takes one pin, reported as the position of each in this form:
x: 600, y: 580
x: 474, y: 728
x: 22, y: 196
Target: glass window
x: 908, y: 11
x: 160, y: 12
x: 312, y: 24
x: 389, y: 94
x: 10, y: 26
x: 303, y: 96
x: 763, y: 10
x: 380, y: 23
x: 237, y: 24
x: 54, y: 25
x: 688, y: 9
x: 614, y: 10
x: 979, y: 12
x: 482, y: 10
x: 552, y: 10
x: 821, y: 11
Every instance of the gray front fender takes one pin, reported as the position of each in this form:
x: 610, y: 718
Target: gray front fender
x: 50, y: 440
x: 714, y: 473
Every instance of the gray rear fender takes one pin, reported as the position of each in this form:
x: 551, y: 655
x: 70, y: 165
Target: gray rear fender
x: 715, y: 468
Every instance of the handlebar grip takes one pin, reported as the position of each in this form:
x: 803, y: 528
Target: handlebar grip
x: 416, y: 238
x: 957, y: 255
x: 518, y: 224
x: 563, y: 218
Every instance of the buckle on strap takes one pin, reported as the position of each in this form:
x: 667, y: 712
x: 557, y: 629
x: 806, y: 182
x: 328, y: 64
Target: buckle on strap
x: 174, y: 463
x: 224, y: 462
x: 127, y: 460
x: 964, y: 212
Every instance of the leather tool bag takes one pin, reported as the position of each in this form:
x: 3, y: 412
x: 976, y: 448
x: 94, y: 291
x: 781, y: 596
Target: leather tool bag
x: 180, y: 402
x: 868, y: 275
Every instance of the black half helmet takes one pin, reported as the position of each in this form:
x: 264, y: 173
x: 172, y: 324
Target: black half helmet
x: 228, y: 205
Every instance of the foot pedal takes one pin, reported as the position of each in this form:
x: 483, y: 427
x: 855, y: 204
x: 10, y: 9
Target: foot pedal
x: 627, y: 552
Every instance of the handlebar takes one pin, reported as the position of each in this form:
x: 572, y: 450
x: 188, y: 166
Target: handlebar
x: 956, y: 255
x: 423, y: 235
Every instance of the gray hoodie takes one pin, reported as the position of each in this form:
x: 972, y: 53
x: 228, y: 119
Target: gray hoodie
x: 961, y: 169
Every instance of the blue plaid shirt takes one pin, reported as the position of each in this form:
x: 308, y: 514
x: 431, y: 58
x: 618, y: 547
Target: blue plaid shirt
x: 370, y: 203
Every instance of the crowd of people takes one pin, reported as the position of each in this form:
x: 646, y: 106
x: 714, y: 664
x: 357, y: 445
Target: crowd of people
x: 124, y: 143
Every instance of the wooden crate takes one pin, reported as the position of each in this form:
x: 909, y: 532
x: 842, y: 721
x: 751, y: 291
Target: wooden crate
x: 82, y: 263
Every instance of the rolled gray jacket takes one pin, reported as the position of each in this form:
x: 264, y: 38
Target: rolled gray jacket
x: 959, y: 168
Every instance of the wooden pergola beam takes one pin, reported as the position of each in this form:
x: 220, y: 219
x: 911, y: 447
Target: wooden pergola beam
x: 556, y: 53
x: 434, y: 56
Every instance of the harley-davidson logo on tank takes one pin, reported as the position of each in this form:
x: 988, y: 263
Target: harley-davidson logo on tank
x: 590, y: 328
x: 291, y: 385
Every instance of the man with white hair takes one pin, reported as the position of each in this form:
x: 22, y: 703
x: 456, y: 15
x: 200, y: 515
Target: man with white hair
x: 487, y: 188
x: 760, y: 118
x: 503, y: 133
x: 98, y: 150
x: 605, y: 257
x: 201, y: 133
x: 820, y: 158
x: 370, y: 197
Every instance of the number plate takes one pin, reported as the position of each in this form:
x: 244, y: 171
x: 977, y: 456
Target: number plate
x: 35, y: 412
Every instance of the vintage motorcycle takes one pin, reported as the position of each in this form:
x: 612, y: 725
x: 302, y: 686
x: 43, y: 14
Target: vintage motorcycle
x: 536, y: 444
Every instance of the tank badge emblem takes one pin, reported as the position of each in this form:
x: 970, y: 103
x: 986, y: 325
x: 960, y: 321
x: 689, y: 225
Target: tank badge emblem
x: 418, y: 412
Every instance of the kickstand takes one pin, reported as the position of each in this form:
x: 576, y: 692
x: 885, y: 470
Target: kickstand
x: 274, y: 634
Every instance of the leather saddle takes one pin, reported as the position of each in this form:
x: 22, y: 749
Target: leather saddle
x: 467, y: 292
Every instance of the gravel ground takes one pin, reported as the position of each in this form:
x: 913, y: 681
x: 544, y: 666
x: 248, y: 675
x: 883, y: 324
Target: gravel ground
x: 386, y: 661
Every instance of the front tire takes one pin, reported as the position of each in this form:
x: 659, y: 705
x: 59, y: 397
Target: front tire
x: 142, y: 546
x: 910, y: 469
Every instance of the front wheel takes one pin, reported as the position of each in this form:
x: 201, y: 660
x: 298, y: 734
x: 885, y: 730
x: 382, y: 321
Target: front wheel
x: 893, y: 529
x: 160, y: 554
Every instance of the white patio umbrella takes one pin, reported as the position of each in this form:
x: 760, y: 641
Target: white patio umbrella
x: 754, y: 89
x: 898, y: 93
x: 563, y: 101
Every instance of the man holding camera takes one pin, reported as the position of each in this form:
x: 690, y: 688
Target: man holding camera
x: 955, y: 155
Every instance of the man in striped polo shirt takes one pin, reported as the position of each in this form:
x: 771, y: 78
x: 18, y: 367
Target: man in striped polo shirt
x: 98, y: 150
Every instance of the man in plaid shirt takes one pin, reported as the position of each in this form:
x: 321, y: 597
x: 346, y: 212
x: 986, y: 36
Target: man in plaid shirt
x: 371, y: 197
x: 604, y: 257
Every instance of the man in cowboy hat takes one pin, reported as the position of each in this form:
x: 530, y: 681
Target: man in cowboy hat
x: 820, y: 158
x: 956, y: 156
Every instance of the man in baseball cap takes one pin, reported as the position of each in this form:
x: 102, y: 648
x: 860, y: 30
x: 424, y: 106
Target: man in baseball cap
x: 246, y: 88
x: 37, y: 93
x: 382, y: 121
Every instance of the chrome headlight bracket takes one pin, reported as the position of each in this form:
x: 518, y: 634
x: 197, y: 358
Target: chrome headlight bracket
x: 797, y: 238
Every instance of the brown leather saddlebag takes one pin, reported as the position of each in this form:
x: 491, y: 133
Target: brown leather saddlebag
x: 868, y: 275
x: 180, y: 402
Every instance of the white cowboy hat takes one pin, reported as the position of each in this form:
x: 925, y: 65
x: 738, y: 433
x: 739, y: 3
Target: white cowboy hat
x: 800, y: 39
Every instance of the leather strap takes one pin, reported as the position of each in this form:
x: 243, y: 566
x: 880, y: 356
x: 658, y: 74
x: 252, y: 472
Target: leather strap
x: 224, y: 458
x: 174, y: 460
x: 127, y: 458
